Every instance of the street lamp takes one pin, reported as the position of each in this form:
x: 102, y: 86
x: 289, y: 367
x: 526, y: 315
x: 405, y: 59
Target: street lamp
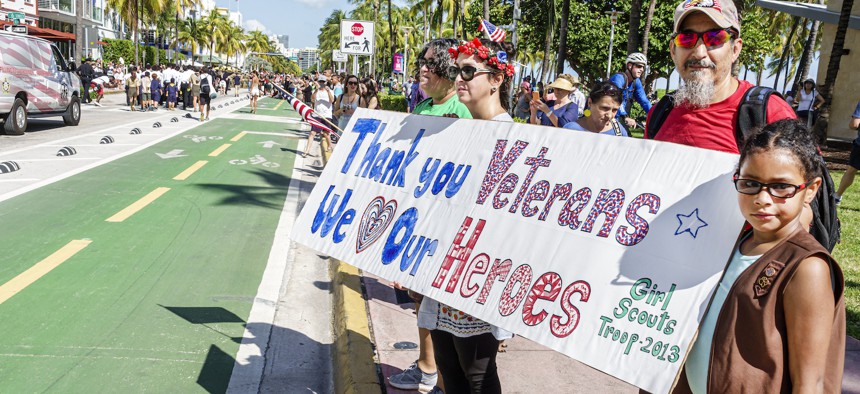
x: 613, y: 17
x: 406, y: 30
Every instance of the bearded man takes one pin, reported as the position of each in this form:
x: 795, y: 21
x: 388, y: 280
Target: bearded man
x: 705, y: 44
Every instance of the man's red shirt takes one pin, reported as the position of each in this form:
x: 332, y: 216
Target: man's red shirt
x: 714, y: 127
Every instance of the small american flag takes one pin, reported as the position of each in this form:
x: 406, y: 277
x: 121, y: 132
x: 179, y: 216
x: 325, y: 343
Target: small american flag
x: 496, y: 34
x: 306, y: 112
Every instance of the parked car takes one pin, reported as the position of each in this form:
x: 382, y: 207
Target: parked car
x: 35, y: 81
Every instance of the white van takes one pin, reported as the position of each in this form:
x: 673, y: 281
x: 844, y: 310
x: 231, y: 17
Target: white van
x: 35, y: 81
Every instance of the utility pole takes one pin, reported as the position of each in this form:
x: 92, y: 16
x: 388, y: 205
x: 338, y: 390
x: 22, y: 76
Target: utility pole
x: 406, y: 30
x: 613, y: 17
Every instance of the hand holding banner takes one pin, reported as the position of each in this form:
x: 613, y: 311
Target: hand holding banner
x: 605, y: 249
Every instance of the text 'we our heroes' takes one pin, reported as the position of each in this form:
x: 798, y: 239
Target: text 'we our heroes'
x: 391, y: 167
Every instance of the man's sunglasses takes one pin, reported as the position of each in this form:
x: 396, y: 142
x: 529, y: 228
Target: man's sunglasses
x: 466, y: 72
x: 712, y: 38
x: 779, y: 190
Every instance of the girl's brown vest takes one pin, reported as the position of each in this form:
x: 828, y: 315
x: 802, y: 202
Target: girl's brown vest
x: 749, y: 352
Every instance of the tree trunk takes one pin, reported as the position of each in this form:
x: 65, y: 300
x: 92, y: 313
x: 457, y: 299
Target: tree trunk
x: 545, y: 63
x: 155, y: 41
x: 79, y: 31
x: 455, y: 19
x: 633, y: 36
x: 785, y: 50
x: 562, y: 36
x: 647, y: 30
x: 487, y: 9
x: 808, y: 53
x: 820, y: 128
x: 441, y: 12
x: 176, y: 39
x: 391, y: 36
x: 136, y: 33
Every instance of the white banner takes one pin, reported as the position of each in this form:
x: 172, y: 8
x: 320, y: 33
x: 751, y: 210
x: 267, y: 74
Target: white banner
x: 606, y: 249
x: 356, y: 37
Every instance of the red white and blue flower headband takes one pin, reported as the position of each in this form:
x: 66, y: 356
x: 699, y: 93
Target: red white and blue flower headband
x: 498, y: 60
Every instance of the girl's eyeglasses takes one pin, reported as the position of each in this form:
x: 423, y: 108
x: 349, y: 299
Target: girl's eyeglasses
x: 466, y: 72
x: 712, y: 38
x: 779, y: 190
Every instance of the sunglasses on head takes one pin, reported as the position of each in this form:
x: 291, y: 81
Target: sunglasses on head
x: 466, y: 72
x: 712, y: 38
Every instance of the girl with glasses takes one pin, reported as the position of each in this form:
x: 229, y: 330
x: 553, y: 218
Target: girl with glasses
x: 777, y: 320
x: 347, y: 102
x: 604, y: 100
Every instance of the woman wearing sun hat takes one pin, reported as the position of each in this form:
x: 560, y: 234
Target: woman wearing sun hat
x: 563, y: 112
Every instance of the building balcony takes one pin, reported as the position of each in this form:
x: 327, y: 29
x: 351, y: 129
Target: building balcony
x: 67, y: 8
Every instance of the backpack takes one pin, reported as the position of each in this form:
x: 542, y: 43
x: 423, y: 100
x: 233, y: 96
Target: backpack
x: 752, y: 113
x: 205, y: 87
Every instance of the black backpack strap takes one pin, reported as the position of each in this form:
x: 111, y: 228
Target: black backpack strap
x: 659, y: 113
x: 752, y: 112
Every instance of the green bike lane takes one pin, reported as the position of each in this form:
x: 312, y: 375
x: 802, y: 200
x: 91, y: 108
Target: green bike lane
x: 157, y: 301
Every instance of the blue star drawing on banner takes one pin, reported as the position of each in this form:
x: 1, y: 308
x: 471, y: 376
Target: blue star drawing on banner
x: 690, y: 223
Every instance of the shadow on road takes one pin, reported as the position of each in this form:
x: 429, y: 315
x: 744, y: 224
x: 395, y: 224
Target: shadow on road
x: 270, y: 196
x: 286, y: 366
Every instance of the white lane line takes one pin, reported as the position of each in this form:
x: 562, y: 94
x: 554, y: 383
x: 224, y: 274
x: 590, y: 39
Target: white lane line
x: 18, y: 180
x: 59, y: 158
x: 248, y: 370
x: 79, y: 145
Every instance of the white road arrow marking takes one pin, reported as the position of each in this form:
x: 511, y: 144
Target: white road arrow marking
x: 268, y: 144
x: 172, y: 154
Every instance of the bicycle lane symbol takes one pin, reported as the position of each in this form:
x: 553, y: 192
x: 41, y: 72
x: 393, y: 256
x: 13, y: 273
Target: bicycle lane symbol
x: 255, y: 160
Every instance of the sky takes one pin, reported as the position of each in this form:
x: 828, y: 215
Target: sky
x: 302, y: 20
x: 299, y: 19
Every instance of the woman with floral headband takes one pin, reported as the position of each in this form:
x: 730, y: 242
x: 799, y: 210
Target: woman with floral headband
x: 465, y: 347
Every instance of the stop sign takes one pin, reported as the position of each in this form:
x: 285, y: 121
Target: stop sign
x: 357, y: 29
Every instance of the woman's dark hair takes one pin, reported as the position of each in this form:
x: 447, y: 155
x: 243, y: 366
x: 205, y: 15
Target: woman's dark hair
x: 605, y: 88
x: 370, y: 91
x: 788, y: 134
x: 441, y: 58
x: 505, y: 88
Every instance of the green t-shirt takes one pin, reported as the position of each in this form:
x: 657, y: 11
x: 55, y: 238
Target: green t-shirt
x: 452, y: 106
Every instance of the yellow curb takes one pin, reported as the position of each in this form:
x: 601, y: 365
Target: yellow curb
x: 354, y: 356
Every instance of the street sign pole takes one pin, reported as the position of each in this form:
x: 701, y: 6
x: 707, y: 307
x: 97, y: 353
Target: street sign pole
x: 613, y: 18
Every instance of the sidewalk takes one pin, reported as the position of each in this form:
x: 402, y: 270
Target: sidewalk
x: 526, y: 367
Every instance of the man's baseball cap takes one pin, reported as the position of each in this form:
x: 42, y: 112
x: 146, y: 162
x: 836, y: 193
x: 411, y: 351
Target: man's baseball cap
x: 722, y: 12
x: 322, y: 78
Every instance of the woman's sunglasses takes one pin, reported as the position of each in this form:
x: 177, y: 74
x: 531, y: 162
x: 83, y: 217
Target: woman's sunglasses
x: 711, y: 38
x: 352, y: 83
x: 466, y: 72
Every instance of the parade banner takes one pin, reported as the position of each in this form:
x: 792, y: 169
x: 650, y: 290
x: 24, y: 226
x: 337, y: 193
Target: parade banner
x: 397, y: 63
x: 606, y: 249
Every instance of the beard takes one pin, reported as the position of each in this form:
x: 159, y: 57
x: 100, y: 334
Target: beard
x: 697, y: 90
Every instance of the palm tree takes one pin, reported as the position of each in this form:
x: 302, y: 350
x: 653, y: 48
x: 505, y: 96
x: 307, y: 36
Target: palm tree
x: 562, y: 36
x: 191, y: 33
x: 256, y: 41
x: 635, y: 17
x: 646, y: 31
x: 233, y: 42
x: 214, y: 23
x: 835, y: 60
x: 131, y: 12
x: 79, y: 31
x: 178, y: 7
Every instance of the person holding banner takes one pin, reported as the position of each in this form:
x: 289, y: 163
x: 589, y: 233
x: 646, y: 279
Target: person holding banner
x: 777, y: 320
x: 433, y: 63
x: 466, y: 347
x: 603, y: 103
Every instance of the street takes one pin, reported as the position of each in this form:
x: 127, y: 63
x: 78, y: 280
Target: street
x: 157, y: 261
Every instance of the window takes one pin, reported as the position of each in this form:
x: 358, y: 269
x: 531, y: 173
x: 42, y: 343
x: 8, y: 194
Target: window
x: 58, y: 58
